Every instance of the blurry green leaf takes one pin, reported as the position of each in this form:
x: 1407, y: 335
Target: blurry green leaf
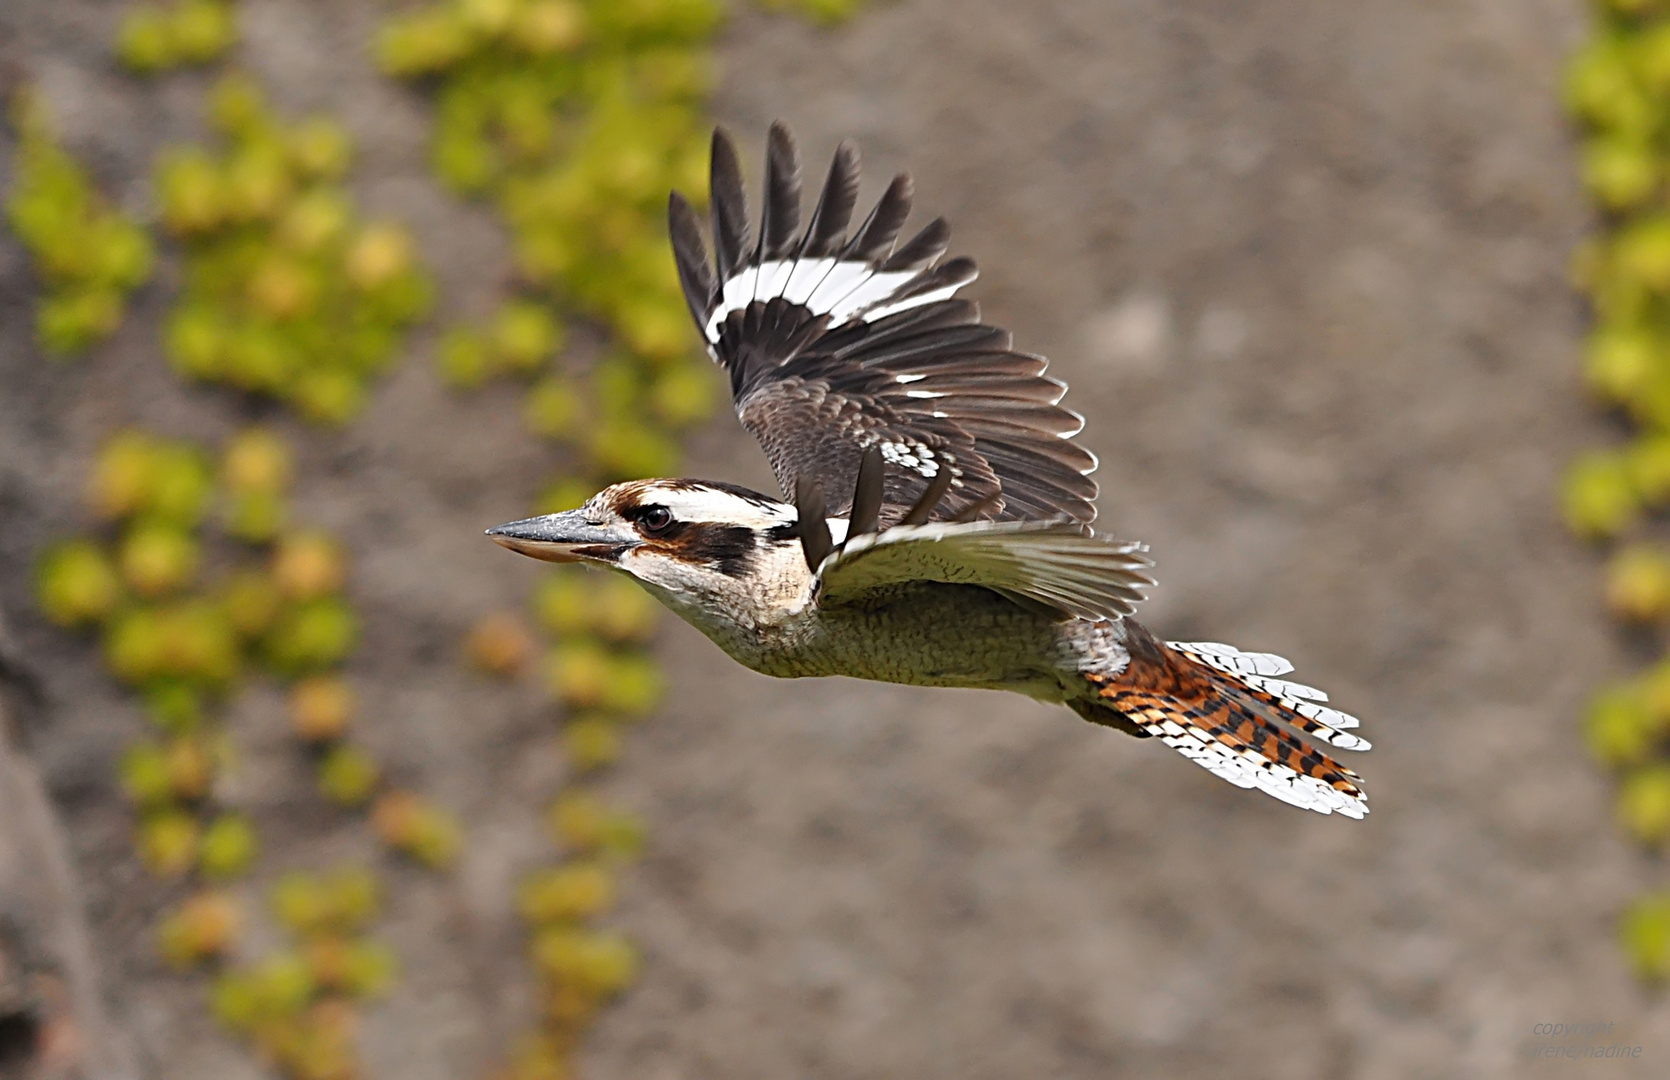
x: 1600, y: 495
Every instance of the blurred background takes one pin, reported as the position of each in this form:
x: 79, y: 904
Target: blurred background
x: 1304, y: 268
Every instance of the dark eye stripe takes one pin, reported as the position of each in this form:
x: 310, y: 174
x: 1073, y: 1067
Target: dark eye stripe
x: 728, y: 548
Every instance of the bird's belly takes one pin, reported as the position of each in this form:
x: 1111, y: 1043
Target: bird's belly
x: 947, y: 636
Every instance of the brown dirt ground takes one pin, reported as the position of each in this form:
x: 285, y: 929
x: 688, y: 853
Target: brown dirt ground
x: 1302, y: 263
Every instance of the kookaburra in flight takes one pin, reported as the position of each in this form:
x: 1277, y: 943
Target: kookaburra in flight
x: 935, y: 528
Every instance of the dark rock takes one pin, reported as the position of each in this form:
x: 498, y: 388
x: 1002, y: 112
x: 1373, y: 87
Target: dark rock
x: 52, y: 1024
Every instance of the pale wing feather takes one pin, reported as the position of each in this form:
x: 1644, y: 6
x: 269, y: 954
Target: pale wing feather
x: 1053, y: 563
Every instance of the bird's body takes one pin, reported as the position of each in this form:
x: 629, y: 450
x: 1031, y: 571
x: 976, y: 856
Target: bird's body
x: 935, y: 634
x: 919, y: 634
x: 923, y: 633
x: 958, y: 549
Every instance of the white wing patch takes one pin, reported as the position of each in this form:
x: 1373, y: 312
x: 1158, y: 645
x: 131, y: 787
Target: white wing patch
x: 917, y: 458
x: 1256, y: 670
x: 843, y: 290
x: 1049, y: 562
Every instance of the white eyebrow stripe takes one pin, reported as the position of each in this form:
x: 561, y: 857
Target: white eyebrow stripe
x: 706, y: 504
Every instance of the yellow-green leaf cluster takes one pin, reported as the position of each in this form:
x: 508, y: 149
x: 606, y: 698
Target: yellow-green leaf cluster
x: 1617, y: 88
x: 576, y: 117
x: 298, y: 1005
x: 153, y: 37
x: 417, y: 828
x: 822, y: 12
x: 186, y: 614
x: 87, y: 255
x: 1645, y: 934
x: 287, y: 292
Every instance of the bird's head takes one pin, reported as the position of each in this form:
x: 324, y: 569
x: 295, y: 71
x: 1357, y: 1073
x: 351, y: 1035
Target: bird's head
x: 696, y: 544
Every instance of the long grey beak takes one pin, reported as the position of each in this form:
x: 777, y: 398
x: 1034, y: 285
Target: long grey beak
x: 565, y: 537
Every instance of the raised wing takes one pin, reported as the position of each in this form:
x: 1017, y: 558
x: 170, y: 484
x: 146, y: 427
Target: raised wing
x: 838, y: 342
x: 1049, y: 563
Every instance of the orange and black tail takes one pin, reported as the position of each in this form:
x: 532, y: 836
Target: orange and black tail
x: 1225, y: 710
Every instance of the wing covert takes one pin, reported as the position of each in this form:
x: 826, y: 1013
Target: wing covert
x: 1048, y: 562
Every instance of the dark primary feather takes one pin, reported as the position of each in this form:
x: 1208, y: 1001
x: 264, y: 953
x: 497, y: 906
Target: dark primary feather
x: 730, y: 206
x: 690, y: 253
x: 780, y: 218
x: 929, y: 500
x: 924, y: 249
x: 867, y: 495
x: 835, y: 371
x: 828, y: 230
x: 810, y: 511
x: 876, y: 236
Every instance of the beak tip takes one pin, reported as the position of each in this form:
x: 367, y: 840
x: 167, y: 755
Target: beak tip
x: 508, y: 536
x: 524, y: 538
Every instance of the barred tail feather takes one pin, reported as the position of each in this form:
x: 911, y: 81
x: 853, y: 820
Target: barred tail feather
x: 1223, y: 710
x: 1295, y: 703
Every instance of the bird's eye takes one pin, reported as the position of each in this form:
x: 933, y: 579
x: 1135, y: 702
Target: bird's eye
x: 657, y: 519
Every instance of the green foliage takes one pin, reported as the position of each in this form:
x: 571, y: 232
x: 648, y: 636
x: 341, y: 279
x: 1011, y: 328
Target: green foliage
x: 1617, y: 87
x: 286, y: 293
x: 230, y: 847
x: 576, y: 117
x: 304, y: 1028
x: 88, y: 256
x: 166, y: 631
x: 595, y: 964
x: 76, y: 584
x: 822, y: 12
x: 1644, y: 803
x: 1638, y: 584
x: 296, y: 1005
x: 348, y: 776
x: 417, y: 828
x: 1601, y: 499
x: 1623, y: 726
x: 167, y: 842
x: 185, y: 644
x: 343, y: 902
x: 185, y: 33
x: 1645, y: 933
x: 280, y: 986
x: 203, y: 928
x: 584, y: 824
x: 568, y: 893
